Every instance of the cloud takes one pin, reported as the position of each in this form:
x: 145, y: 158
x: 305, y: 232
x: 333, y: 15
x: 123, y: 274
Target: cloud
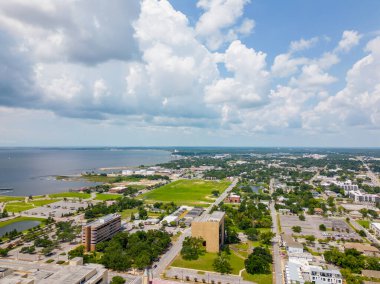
x: 357, y: 104
x: 348, y: 41
x: 144, y: 63
x: 302, y: 44
x: 216, y: 24
x: 248, y: 86
x: 61, y: 31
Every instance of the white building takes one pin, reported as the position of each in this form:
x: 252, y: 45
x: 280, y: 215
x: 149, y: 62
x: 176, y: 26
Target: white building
x: 300, y: 272
x: 322, y: 276
x: 363, y: 197
x: 376, y: 228
x: 290, y: 245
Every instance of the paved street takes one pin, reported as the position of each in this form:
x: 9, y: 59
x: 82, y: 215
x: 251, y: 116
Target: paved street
x: 278, y: 277
x: 369, y: 236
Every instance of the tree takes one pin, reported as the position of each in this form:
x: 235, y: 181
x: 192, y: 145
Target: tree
x: 302, y: 217
x: 362, y: 233
x: 322, y: 227
x: 3, y: 252
x: 297, y: 229
x: 77, y: 252
x: 266, y: 237
x: 252, y: 234
x: 258, y: 261
x: 117, y: 280
x: 192, y: 248
x: 222, y: 263
x: 215, y: 193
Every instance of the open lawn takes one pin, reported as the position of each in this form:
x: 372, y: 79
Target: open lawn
x: 186, y: 192
x: 107, y: 196
x: 258, y: 278
x: 205, y: 262
x: 71, y: 195
x: 363, y: 223
x: 127, y: 213
x: 4, y: 198
x: 19, y: 219
x: 22, y: 206
x: 105, y: 179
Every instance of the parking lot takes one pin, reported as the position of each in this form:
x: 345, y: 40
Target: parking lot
x: 58, y: 209
x: 336, y: 228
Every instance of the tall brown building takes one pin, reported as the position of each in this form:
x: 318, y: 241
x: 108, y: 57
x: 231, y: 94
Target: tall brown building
x: 210, y: 227
x: 100, y: 230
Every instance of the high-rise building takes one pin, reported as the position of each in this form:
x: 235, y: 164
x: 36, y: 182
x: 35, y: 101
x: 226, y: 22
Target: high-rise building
x: 100, y: 230
x: 210, y: 228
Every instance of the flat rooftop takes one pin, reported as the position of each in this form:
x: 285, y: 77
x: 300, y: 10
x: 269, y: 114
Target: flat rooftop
x: 103, y: 220
x: 215, y: 216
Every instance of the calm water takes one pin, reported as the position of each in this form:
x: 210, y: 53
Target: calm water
x: 31, y: 171
x: 19, y: 226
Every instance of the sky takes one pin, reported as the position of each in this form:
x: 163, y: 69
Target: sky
x: 190, y: 73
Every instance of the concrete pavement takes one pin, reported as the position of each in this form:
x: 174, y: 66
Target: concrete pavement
x: 277, y: 261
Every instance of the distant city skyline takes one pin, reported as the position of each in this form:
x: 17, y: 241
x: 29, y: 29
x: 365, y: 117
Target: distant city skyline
x: 190, y: 73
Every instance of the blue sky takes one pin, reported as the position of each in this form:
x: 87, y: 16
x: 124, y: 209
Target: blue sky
x: 192, y: 73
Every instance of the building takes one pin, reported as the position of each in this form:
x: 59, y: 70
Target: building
x: 347, y: 186
x: 363, y: 197
x: 210, y: 227
x: 117, y: 189
x: 232, y: 198
x: 100, y: 230
x: 301, y: 272
x: 75, y: 273
x: 321, y: 276
x: 376, y: 228
x: 363, y: 248
x: 372, y: 274
x: 290, y: 245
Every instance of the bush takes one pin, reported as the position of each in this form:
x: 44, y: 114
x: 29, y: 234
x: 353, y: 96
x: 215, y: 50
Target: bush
x: 117, y: 280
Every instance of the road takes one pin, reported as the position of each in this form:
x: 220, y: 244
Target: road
x: 168, y: 257
x: 277, y: 261
x: 370, y: 237
x: 373, y: 177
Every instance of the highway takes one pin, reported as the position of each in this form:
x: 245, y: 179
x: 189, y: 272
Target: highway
x: 168, y: 257
x: 277, y: 261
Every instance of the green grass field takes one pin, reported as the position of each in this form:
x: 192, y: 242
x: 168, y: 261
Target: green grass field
x: 22, y: 206
x: 10, y: 198
x: 70, y: 195
x: 205, y: 262
x: 186, y: 192
x: 364, y: 223
x: 19, y: 219
x: 105, y: 179
x: 107, y: 196
x: 258, y: 278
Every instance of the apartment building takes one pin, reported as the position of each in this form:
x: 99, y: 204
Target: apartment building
x: 376, y: 228
x: 300, y: 272
x: 100, y: 230
x: 210, y: 228
x: 363, y: 197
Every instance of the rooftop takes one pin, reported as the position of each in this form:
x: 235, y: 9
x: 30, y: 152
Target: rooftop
x: 103, y: 220
x: 360, y: 247
x: 215, y: 216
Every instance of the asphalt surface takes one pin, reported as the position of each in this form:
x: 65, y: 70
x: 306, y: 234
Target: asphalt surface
x: 277, y: 262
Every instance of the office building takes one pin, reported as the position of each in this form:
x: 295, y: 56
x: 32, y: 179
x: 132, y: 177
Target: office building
x: 210, y: 228
x: 100, y: 230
